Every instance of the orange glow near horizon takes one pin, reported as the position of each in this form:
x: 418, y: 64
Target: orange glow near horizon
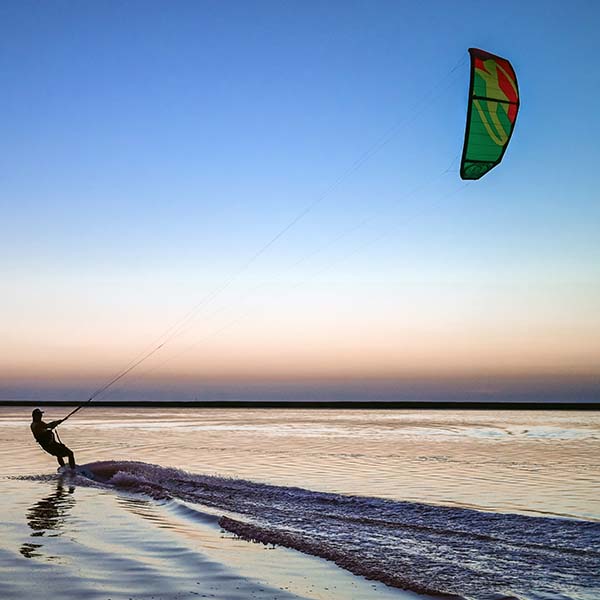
x: 336, y: 352
x: 335, y: 331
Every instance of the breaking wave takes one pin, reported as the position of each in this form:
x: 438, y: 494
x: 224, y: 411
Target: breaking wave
x: 424, y: 548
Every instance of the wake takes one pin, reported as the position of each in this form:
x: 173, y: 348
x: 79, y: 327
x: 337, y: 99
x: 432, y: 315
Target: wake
x: 419, y: 547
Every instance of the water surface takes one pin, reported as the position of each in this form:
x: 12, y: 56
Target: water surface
x: 529, y: 462
x: 478, y: 504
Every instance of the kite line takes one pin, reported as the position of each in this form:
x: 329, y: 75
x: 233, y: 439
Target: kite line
x: 180, y: 326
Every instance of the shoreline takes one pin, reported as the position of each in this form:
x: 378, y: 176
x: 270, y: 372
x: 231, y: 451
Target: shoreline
x: 317, y: 404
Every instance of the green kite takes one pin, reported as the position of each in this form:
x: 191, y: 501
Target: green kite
x: 492, y: 113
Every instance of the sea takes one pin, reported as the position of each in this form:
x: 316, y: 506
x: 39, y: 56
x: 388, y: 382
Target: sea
x: 303, y: 503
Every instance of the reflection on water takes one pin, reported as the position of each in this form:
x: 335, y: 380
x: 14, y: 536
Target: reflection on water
x: 47, y: 517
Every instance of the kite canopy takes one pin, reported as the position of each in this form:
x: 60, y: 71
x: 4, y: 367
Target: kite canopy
x: 492, y: 113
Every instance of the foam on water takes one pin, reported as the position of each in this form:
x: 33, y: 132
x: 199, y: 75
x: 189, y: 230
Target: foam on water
x: 424, y: 548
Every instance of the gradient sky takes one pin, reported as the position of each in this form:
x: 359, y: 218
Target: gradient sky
x: 150, y: 149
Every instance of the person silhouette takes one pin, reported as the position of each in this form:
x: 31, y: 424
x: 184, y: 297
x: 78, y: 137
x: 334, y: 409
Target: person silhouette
x: 44, y: 436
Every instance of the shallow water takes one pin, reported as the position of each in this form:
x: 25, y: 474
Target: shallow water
x: 60, y: 540
x: 423, y: 548
x: 536, y: 463
x: 392, y: 498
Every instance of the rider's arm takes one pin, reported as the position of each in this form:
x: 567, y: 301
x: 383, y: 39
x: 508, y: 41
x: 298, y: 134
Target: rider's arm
x: 54, y: 424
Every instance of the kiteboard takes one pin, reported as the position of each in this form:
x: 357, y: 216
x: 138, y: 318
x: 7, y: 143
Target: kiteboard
x: 66, y: 471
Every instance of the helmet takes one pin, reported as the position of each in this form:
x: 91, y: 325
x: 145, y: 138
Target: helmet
x: 37, y: 412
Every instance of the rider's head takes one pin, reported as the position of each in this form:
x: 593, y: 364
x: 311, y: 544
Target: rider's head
x: 36, y: 415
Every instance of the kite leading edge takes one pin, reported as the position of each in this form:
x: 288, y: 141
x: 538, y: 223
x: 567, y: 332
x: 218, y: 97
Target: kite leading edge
x: 491, y: 115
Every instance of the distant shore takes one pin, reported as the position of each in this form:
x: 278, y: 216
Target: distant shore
x: 320, y: 405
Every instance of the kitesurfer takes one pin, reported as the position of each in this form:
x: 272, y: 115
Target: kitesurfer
x: 45, y: 437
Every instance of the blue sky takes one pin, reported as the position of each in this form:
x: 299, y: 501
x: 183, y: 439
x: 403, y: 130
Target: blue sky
x: 149, y: 149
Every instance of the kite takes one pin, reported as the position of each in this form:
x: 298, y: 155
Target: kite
x: 492, y: 113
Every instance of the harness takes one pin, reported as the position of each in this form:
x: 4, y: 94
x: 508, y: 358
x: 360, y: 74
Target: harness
x: 47, y: 439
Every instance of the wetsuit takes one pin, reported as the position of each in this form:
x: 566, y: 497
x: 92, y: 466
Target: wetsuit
x: 44, y: 436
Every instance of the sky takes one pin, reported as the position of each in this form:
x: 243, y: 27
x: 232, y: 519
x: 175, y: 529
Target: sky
x: 273, y: 189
